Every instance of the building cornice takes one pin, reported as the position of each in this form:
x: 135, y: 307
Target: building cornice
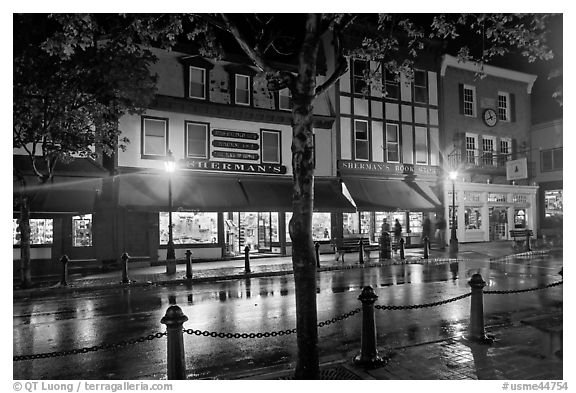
x: 452, y: 61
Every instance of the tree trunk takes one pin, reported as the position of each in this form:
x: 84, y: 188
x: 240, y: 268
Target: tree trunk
x: 24, y: 224
x: 303, y: 253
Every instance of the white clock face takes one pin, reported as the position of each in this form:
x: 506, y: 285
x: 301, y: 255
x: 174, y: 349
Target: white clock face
x: 490, y: 117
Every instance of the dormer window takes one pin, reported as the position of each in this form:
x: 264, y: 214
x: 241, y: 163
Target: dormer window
x: 197, y: 83
x: 242, y: 90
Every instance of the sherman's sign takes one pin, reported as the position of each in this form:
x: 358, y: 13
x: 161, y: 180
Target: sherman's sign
x: 380, y: 168
x: 220, y: 166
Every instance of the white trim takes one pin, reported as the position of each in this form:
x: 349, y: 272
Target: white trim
x: 397, y: 126
x: 508, y: 109
x: 474, y: 100
x: 206, y: 147
x: 278, y: 145
x: 367, y: 140
x: 452, y: 61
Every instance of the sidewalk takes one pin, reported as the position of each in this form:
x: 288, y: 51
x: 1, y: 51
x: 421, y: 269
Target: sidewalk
x: 203, y: 271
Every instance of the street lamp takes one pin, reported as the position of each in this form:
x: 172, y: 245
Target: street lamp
x: 453, y: 238
x: 170, y: 166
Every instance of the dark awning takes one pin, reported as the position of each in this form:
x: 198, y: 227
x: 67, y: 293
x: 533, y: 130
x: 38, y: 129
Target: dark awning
x: 147, y: 191
x: 275, y: 194
x: 63, y: 195
x: 384, y: 195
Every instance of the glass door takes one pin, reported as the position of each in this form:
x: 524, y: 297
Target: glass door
x: 264, y: 232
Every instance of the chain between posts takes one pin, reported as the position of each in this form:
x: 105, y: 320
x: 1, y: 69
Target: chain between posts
x: 112, y: 346
x: 415, y: 306
x: 501, y: 292
x: 207, y: 333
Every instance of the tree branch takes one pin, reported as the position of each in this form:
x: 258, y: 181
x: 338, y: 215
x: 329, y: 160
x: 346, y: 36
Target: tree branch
x: 341, y: 66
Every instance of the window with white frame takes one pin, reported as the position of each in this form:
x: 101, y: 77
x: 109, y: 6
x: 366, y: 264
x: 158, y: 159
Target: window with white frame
x: 420, y: 86
x: 421, y: 145
x: 284, y: 99
x: 392, y: 85
x: 471, y: 148
x: 189, y: 227
x: 392, y: 143
x: 270, y: 146
x: 551, y: 159
x: 359, y: 79
x: 155, y: 136
x: 505, y: 150
x: 41, y: 231
x: 503, y: 106
x: 196, y: 140
x: 469, y: 100
x: 197, y: 82
x: 242, y: 90
x: 82, y: 230
x: 361, y: 144
x: 488, y: 153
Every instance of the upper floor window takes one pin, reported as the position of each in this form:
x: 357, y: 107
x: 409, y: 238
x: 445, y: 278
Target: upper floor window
x: 488, y: 156
x: 242, y: 90
x: 503, y: 106
x: 359, y: 79
x: 468, y: 100
x: 421, y: 144
x: 284, y: 99
x: 505, y: 149
x: 392, y: 143
x: 270, y: 144
x: 196, y: 140
x: 154, y: 136
x: 420, y: 86
x: 392, y: 85
x: 551, y: 159
x: 361, y: 143
x: 471, y: 148
x: 197, y: 82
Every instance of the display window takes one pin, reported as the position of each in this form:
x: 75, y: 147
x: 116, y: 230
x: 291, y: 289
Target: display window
x: 321, y: 226
x: 553, y: 203
x: 41, y: 231
x: 519, y: 218
x: 190, y: 228
x: 472, y: 218
x: 82, y: 231
x: 415, y: 222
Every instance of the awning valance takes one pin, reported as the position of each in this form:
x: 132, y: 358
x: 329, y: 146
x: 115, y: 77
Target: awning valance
x: 275, y: 194
x: 385, y: 195
x: 146, y: 191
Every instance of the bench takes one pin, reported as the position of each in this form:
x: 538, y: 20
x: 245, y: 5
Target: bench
x: 520, y: 236
x: 352, y: 244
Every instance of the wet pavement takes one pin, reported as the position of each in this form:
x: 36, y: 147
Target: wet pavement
x: 527, y: 346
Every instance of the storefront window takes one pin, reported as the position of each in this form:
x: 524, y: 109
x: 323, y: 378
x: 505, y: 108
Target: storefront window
x: 82, y: 231
x: 470, y: 196
x: 519, y: 218
x: 190, y: 227
x: 365, y: 222
x: 321, y: 226
x: 350, y: 223
x: 520, y: 198
x: 41, y: 231
x: 553, y: 203
x: 472, y: 218
x: 415, y: 222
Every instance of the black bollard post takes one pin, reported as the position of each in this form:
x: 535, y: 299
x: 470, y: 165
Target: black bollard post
x: 247, y: 259
x: 402, y: 248
x: 528, y: 240
x: 125, y: 279
x: 476, y: 329
x: 369, y: 353
x: 174, y: 319
x: 316, y: 247
x: 64, y: 260
x: 361, y: 252
x: 188, y: 264
x: 426, y: 247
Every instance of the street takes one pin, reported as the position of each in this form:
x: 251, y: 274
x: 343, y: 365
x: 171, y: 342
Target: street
x: 258, y: 305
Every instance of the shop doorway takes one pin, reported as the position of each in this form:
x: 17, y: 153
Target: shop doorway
x: 257, y: 230
x: 498, y: 223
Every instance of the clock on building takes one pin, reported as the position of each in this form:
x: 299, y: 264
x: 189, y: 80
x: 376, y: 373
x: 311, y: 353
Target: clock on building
x: 490, y: 117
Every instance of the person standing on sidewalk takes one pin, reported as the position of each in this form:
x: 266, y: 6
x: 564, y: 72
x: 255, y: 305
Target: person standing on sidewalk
x: 440, y: 232
x: 397, y: 235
